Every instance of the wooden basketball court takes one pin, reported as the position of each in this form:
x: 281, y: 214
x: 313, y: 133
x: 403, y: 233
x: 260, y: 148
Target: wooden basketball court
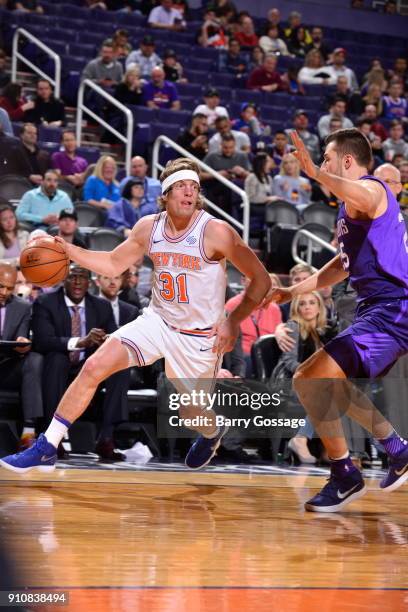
x: 161, y: 541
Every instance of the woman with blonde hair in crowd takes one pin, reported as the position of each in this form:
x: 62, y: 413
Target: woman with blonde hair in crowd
x: 374, y: 97
x: 129, y: 91
x: 289, y: 185
x: 101, y: 188
x: 12, y: 238
x: 309, y: 330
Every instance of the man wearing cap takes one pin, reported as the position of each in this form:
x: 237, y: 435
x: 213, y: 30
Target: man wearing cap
x: 68, y: 228
x: 145, y: 57
x: 165, y: 17
x: 173, y: 70
x: 338, y: 68
x: 211, y: 107
x: 301, y: 124
x: 42, y: 205
x: 159, y: 93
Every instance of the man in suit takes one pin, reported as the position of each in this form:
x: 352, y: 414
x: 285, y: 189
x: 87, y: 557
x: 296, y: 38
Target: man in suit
x: 20, y: 368
x: 68, y: 326
x: 109, y: 288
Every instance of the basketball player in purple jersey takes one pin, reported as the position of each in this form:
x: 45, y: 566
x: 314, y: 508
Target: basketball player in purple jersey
x: 374, y: 253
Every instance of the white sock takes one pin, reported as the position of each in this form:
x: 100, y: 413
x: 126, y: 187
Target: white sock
x: 342, y: 457
x: 28, y: 430
x: 55, y: 432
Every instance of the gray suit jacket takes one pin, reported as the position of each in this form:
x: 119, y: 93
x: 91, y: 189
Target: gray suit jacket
x: 17, y: 321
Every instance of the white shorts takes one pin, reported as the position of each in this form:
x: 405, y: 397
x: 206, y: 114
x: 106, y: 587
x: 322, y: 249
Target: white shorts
x: 186, y: 357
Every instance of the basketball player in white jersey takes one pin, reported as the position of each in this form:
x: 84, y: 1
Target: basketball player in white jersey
x: 184, y: 322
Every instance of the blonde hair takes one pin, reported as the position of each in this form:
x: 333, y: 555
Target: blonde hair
x: 286, y: 157
x: 275, y: 277
x: 309, y: 328
x: 310, y: 55
x: 181, y: 163
x: 98, y: 170
x: 301, y: 267
x: 133, y: 69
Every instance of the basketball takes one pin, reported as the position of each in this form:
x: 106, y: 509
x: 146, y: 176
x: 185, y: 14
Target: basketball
x: 44, y: 262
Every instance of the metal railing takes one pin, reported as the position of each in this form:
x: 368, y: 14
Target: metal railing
x: 16, y: 55
x: 312, y: 238
x: 156, y: 166
x: 82, y: 108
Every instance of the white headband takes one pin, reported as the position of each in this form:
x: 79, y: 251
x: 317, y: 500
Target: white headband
x: 181, y: 175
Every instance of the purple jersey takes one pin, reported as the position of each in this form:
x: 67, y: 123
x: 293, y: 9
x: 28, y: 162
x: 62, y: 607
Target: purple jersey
x: 375, y: 252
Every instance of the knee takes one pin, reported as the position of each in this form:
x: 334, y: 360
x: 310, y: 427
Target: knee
x: 94, y: 370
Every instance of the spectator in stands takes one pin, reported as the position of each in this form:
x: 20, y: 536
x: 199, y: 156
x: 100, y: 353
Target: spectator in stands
x: 231, y: 164
x: 353, y: 100
x: 173, y: 70
x: 21, y: 368
x: 129, y: 91
x: 318, y: 43
x: 109, y: 289
x: 233, y: 60
x: 25, y: 6
x: 151, y: 186
x: 12, y: 102
x: 68, y: 325
x: 145, y: 57
x: 258, y: 184
x: 4, y: 76
x: 130, y: 208
x: 280, y: 147
x: 212, y: 32
x: 246, y: 35
x: 101, y: 189
x: 395, y: 104
x: 395, y: 144
x: 334, y: 124
x: 274, y: 19
x: 295, y: 22
x: 271, y: 43
x: 159, y: 93
x: 12, y: 238
x: 68, y: 228
x: 223, y: 126
x: 337, y: 111
x: 374, y: 96
x: 38, y: 160
x: 249, y: 122
x: 364, y: 126
x: 129, y: 292
x: 70, y: 166
x: 297, y: 43
x: 257, y: 58
x: 211, y: 107
x: 370, y: 113
x: 121, y: 44
x: 338, y: 68
x: 104, y: 70
x: 390, y: 7
x: 290, y: 80
x: 400, y: 71
x: 314, y: 72
x: 5, y: 123
x: 165, y: 17
x: 47, y: 110
x: 12, y: 158
x: 289, y: 185
x: 266, y: 78
x: 376, y: 75
x: 309, y: 328
x: 224, y: 10
x: 391, y: 175
x: 261, y: 321
x: 195, y: 138
x: 403, y: 199
x: 42, y: 205
x: 311, y: 141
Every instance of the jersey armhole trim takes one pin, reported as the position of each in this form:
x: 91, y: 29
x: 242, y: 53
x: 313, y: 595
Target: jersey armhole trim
x: 154, y: 227
x: 201, y: 243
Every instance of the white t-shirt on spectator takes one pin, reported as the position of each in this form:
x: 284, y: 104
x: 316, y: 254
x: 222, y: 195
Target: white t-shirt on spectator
x: 160, y: 15
x: 211, y: 113
x: 344, y: 71
x: 241, y: 139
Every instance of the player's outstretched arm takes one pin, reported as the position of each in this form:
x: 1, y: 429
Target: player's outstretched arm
x: 364, y: 196
x: 113, y: 263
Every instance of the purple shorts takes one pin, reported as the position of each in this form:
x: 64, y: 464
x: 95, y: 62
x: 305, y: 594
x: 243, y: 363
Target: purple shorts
x: 374, y: 341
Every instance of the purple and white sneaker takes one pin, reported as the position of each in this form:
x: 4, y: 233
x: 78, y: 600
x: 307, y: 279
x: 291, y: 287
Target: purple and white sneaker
x: 397, y: 472
x: 337, y: 493
x: 41, y: 456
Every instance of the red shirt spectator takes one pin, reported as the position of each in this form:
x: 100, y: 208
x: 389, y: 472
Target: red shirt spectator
x: 266, y: 77
x: 246, y: 35
x: 261, y: 321
x: 13, y: 103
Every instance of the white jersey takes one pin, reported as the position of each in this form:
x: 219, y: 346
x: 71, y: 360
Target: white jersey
x: 188, y: 289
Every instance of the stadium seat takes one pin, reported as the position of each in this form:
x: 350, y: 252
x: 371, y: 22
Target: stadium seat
x: 320, y: 213
x: 265, y: 354
x: 104, y: 239
x: 89, y: 216
x: 315, y: 254
x: 13, y: 187
x: 281, y: 212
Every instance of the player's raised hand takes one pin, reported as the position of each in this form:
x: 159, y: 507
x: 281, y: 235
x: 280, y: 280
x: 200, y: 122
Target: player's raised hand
x: 279, y: 295
x: 303, y: 156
